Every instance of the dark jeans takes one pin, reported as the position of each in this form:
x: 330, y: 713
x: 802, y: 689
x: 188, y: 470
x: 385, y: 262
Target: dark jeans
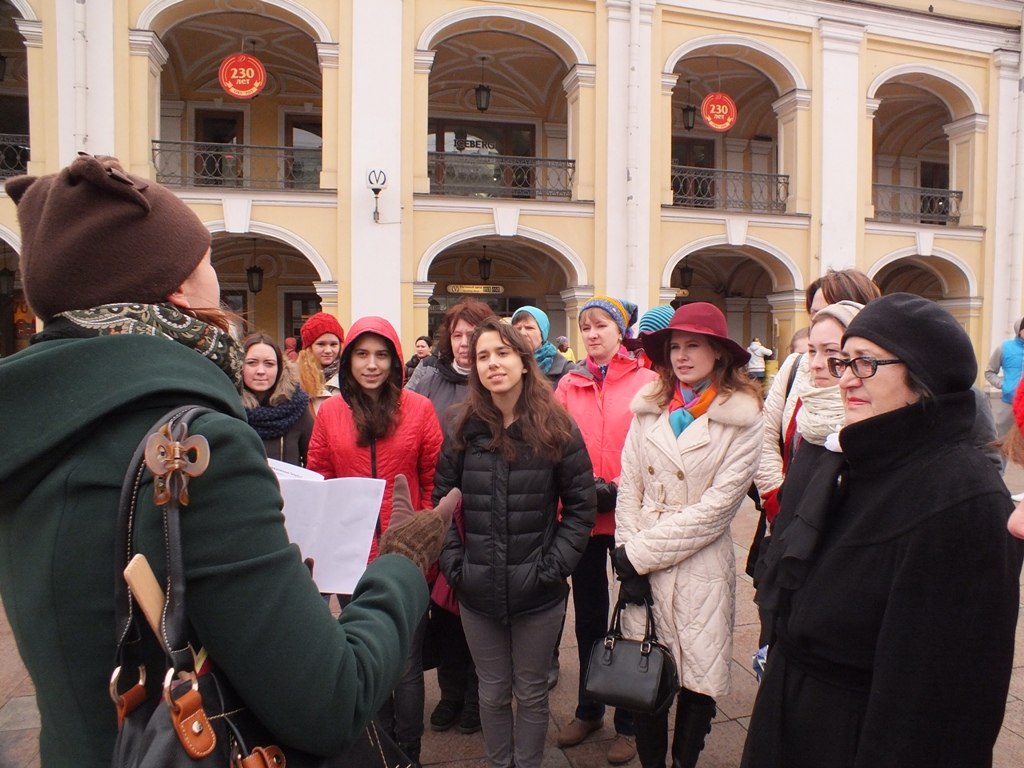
x: 590, y: 601
x: 456, y: 675
x: 401, y: 716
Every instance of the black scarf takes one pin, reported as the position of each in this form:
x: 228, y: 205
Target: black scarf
x: 271, y: 421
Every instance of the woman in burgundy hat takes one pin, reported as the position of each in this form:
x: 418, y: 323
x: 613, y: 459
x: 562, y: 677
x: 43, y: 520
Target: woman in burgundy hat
x: 688, y: 461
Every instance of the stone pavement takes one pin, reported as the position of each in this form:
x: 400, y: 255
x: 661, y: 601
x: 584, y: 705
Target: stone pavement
x: 19, y: 720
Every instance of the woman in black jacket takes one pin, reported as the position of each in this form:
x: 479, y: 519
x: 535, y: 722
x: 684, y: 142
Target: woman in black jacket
x: 900, y: 593
x: 515, y: 454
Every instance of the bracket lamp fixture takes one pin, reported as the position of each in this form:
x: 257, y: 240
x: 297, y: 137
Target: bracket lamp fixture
x: 689, y: 110
x: 254, y: 273
x: 483, y: 91
x: 484, y: 266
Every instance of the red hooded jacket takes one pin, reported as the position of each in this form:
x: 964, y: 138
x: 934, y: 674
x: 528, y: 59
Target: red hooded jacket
x: 410, y: 448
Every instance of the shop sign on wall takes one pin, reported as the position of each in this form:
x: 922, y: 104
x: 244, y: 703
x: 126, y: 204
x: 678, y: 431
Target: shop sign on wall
x: 718, y: 111
x: 242, y: 75
x: 476, y: 289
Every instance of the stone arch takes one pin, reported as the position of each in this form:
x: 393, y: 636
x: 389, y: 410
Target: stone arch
x: 782, y: 72
x: 282, y: 235
x: 560, y: 40
x: 566, y: 258
x: 957, y: 95
x: 10, y: 237
x: 783, y: 270
x: 153, y: 17
x: 24, y: 9
x: 958, y: 269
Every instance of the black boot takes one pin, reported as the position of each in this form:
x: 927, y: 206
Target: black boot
x: 412, y: 751
x: 651, y: 739
x: 694, y: 713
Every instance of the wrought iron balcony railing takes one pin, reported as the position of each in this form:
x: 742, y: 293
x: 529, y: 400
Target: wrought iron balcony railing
x: 241, y: 166
x: 453, y: 173
x: 729, y: 190
x: 14, y: 154
x: 923, y: 205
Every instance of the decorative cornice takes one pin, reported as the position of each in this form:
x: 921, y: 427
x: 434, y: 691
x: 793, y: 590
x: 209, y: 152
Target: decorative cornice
x: 327, y: 55
x: 580, y: 76
x: 966, y: 126
x: 1006, y: 63
x: 795, y: 100
x: 668, y: 82
x: 326, y: 289
x: 841, y: 36
x: 423, y: 62
x: 871, y: 107
x: 143, y: 42
x: 32, y: 31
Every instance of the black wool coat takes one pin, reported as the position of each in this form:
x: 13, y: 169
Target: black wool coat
x: 518, y: 547
x: 895, y: 638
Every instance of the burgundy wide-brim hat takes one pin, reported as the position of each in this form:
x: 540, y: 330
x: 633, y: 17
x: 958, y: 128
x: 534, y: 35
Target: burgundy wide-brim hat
x: 701, y: 318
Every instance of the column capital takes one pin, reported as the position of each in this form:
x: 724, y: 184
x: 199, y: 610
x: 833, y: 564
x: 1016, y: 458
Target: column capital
x: 328, y: 54
x: 840, y: 36
x: 798, y: 99
x: 423, y: 61
x: 144, y: 42
x: 32, y: 31
x: 580, y: 76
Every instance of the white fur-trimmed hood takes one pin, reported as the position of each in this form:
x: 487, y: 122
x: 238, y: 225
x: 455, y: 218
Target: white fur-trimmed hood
x: 738, y: 409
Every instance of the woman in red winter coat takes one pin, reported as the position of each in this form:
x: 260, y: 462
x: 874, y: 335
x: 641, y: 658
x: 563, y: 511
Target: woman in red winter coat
x: 378, y: 429
x: 597, y: 393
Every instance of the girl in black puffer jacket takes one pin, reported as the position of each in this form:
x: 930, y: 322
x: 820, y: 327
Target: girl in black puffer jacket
x: 515, y: 454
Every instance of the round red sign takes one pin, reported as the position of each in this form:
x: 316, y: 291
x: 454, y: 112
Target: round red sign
x: 242, y: 75
x: 718, y: 111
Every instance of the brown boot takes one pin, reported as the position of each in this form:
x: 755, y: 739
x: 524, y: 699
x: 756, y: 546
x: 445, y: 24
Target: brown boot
x: 577, y: 730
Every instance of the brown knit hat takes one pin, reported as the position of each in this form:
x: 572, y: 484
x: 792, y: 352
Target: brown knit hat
x: 317, y: 325
x: 93, y: 234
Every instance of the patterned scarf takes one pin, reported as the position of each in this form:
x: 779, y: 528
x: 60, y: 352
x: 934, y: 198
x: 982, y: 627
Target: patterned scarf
x: 272, y: 421
x: 689, y: 404
x: 545, y: 355
x: 331, y: 370
x: 167, y: 321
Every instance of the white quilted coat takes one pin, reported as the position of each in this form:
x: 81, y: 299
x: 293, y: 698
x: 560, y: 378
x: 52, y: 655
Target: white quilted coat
x: 676, y: 500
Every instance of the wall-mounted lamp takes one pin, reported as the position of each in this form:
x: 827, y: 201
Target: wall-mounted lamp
x: 686, y: 275
x: 254, y: 273
x: 6, y: 280
x: 484, y: 266
x: 483, y: 91
x: 376, y: 180
x: 689, y: 110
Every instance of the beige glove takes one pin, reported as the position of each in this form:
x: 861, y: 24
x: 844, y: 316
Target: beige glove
x: 417, y: 535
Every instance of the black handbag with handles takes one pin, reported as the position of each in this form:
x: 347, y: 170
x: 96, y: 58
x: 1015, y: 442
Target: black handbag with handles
x: 638, y: 675
x: 198, y: 721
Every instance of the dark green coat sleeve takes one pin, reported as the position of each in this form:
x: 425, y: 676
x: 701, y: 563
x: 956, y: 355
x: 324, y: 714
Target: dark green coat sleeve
x: 312, y: 680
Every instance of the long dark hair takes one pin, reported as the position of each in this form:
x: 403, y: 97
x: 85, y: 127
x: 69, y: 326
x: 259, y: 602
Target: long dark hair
x: 728, y: 376
x: 375, y: 417
x: 543, y: 424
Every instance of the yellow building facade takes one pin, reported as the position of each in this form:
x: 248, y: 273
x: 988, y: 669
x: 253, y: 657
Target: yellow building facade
x: 404, y: 154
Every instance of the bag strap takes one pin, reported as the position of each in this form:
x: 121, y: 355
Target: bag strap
x: 615, y: 628
x: 172, y: 457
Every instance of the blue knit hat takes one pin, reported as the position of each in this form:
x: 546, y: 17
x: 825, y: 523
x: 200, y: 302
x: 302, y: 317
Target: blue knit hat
x: 538, y: 314
x: 655, y: 319
x: 623, y: 312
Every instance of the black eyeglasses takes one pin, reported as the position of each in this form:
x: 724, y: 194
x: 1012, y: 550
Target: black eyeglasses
x: 862, y: 367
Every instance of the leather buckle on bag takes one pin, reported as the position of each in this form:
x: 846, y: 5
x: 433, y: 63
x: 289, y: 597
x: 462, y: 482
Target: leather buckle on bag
x: 609, y: 642
x: 188, y: 717
x: 126, y: 703
x: 645, y: 648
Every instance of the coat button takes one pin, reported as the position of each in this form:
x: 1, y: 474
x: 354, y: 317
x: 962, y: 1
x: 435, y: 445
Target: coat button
x: 650, y: 470
x: 679, y: 474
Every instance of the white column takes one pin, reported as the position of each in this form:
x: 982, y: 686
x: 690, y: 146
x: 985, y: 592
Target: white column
x: 376, y: 119
x: 1004, y: 307
x: 615, y: 192
x: 841, y: 117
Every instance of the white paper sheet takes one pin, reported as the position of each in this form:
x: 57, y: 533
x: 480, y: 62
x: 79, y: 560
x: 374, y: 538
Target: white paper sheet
x: 331, y: 521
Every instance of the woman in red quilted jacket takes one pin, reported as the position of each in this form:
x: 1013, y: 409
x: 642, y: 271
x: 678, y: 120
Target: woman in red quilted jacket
x: 378, y: 429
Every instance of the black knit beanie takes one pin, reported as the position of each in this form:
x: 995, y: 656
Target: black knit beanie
x: 924, y: 336
x: 93, y: 234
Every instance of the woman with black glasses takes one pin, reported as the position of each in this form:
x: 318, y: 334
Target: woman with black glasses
x: 899, y: 582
